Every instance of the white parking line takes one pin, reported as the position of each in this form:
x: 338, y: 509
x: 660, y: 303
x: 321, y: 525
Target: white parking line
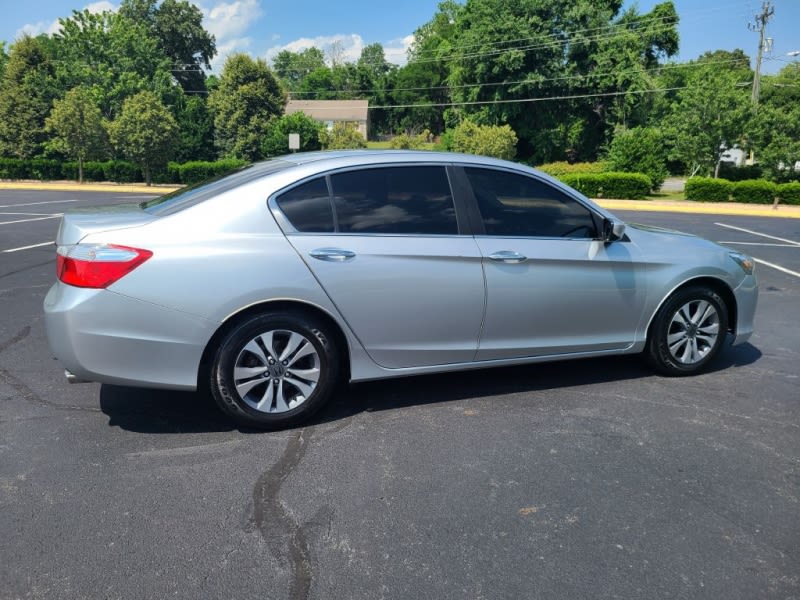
x: 750, y: 231
x: 29, y: 220
x: 778, y: 267
x: 762, y: 244
x: 27, y: 247
x: 29, y: 214
x: 35, y: 203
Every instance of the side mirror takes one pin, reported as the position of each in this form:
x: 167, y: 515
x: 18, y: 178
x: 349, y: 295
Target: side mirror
x: 613, y: 230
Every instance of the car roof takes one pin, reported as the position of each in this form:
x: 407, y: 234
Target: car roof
x: 362, y: 157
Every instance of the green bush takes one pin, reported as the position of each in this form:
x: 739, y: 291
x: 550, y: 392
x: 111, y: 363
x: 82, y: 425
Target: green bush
x: 707, y: 189
x: 487, y: 140
x: 628, y: 186
x: 405, y: 141
x: 200, y: 170
x: 276, y: 141
x: 559, y: 168
x: 639, y: 150
x: 732, y: 173
x: 754, y: 191
x: 343, y: 136
x: 789, y: 193
x: 122, y: 171
x: 34, y: 168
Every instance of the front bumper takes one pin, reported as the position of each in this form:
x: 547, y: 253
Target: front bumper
x: 746, y: 301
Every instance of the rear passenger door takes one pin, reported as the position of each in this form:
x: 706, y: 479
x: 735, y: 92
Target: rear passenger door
x: 384, y: 243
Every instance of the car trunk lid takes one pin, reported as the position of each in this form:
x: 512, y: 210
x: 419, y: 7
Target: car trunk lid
x: 76, y: 224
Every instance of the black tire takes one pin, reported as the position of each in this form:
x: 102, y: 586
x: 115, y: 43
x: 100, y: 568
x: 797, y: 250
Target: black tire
x: 279, y: 397
x: 669, y: 347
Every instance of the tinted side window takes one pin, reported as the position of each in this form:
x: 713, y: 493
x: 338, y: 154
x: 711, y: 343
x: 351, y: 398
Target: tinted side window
x: 517, y: 205
x: 308, y: 206
x: 412, y: 200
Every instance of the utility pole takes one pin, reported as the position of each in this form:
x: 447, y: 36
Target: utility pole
x: 760, y: 26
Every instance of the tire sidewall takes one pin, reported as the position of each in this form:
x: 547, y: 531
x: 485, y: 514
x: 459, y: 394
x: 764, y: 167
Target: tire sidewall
x: 659, y: 354
x: 222, y: 382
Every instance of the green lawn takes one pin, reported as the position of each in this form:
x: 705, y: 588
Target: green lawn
x: 666, y: 196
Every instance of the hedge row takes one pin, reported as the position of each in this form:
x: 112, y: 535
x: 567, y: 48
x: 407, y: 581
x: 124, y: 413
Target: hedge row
x: 751, y: 191
x: 559, y: 168
x: 630, y: 186
x: 118, y: 171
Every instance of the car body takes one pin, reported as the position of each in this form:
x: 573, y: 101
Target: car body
x: 268, y: 284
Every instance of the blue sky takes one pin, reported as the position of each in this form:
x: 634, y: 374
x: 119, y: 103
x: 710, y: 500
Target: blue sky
x: 262, y: 27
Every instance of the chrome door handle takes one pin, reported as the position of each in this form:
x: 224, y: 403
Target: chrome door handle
x: 508, y: 256
x: 332, y: 254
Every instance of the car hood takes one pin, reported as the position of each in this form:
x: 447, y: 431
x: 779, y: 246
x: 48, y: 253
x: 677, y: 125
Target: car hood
x: 80, y: 222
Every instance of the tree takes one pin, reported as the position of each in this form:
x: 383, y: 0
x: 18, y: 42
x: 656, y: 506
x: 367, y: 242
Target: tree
x: 196, y: 125
x: 26, y: 94
x: 144, y: 132
x: 113, y: 56
x: 293, y: 67
x: 639, y: 150
x: 343, y: 136
x: 276, y: 141
x: 3, y: 59
x: 77, y: 127
x: 247, y: 98
x: 711, y: 115
x: 177, y: 25
x: 488, y: 140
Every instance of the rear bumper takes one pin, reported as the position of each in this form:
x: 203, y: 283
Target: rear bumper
x: 152, y: 346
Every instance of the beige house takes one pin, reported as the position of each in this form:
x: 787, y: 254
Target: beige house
x: 334, y: 111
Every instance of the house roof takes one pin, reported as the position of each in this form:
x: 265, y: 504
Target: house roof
x: 330, y: 110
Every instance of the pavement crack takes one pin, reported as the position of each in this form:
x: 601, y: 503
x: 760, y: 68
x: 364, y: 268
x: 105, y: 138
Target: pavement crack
x: 29, y: 395
x: 278, y: 528
x: 17, y: 337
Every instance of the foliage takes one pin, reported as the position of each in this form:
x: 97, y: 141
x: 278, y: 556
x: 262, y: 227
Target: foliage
x: 25, y: 99
x: 754, y: 191
x: 734, y: 173
x: 639, y: 150
x: 405, y: 141
x: 177, y: 27
x: 276, y: 141
x: 342, y: 136
x: 144, y: 132
x: 557, y: 169
x: 488, y: 140
x: 789, y: 193
x: 627, y: 186
x: 77, y: 127
x: 247, y: 98
x: 196, y: 126
x: 30, y: 168
x: 197, y: 171
x: 293, y: 67
x: 707, y: 189
x: 711, y: 114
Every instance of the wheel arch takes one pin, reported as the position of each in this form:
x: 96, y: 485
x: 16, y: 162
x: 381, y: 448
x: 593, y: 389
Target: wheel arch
x: 297, y: 306
x: 717, y: 285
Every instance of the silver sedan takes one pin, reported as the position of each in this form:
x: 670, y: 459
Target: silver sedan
x: 268, y: 285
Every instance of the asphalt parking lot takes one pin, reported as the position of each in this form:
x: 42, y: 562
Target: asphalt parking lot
x: 591, y: 479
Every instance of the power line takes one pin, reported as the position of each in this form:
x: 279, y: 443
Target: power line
x: 655, y: 71
x: 513, y: 101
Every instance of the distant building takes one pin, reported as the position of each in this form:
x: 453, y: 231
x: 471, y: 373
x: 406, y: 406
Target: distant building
x: 334, y: 111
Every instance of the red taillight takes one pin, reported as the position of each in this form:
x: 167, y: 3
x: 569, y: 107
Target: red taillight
x: 97, y: 265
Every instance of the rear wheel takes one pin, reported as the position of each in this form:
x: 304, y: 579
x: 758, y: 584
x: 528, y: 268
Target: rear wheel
x: 274, y: 370
x: 687, y: 332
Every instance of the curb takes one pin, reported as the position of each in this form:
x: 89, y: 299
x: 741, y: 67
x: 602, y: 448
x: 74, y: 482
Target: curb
x: 675, y: 206
x: 704, y: 208
x: 69, y: 186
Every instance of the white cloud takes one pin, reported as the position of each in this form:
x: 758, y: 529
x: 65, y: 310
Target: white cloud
x: 51, y: 27
x: 229, y: 22
x: 396, y: 51
x: 349, y: 44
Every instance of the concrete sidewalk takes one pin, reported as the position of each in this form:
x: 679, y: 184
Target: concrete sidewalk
x: 679, y: 206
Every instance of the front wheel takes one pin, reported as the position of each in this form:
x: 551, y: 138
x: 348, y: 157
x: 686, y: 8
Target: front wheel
x: 687, y: 332
x: 274, y: 370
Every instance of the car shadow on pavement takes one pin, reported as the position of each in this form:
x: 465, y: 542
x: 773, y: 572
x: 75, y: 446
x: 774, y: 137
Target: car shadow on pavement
x: 163, y: 411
